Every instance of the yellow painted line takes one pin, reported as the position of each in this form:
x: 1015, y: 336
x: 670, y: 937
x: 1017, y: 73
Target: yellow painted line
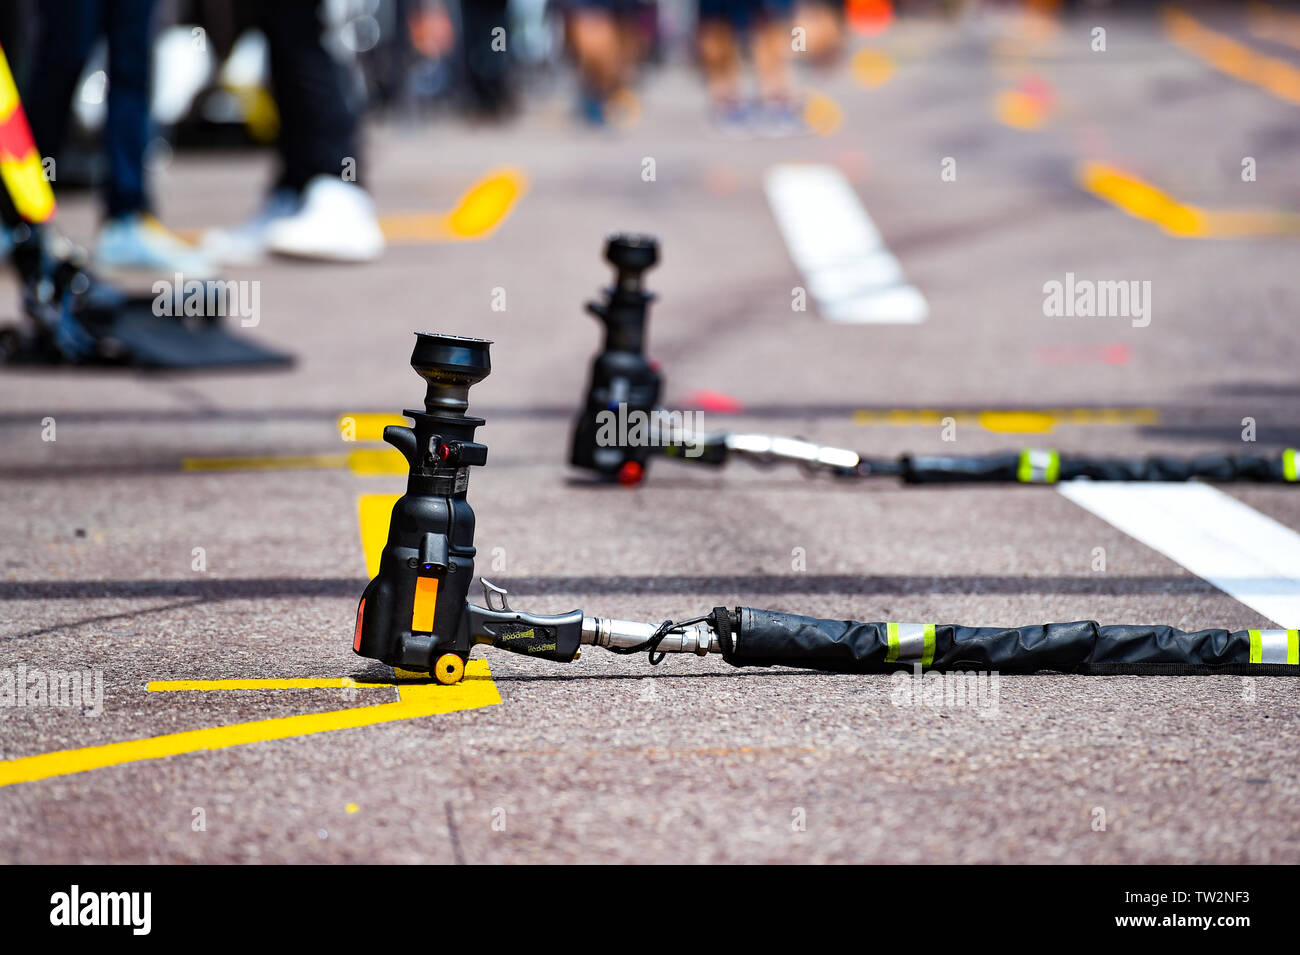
x: 1141, y: 200
x: 378, y: 461
x: 373, y: 511
x: 369, y: 426
x: 478, y: 214
x: 1252, y: 223
x: 1144, y: 201
x: 409, y: 674
x: 1107, y: 416
x: 296, y: 683
x: 1232, y: 57
x: 487, y: 204
x: 367, y: 461
x: 413, y: 228
x: 280, y: 463
x: 1017, y: 422
x: 1009, y: 421
x: 416, y: 700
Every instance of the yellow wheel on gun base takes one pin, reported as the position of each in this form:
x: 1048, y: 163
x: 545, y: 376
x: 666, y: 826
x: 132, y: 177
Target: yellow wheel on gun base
x: 449, y: 669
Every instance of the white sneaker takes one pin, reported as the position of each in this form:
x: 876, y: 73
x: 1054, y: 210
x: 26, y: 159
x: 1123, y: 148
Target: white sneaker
x: 245, y: 244
x: 336, y: 222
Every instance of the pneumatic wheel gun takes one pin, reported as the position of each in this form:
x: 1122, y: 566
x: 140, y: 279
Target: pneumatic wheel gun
x: 623, y: 382
x: 415, y: 613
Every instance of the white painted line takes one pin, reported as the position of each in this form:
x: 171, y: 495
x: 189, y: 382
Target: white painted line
x: 1245, y: 554
x: 849, y: 272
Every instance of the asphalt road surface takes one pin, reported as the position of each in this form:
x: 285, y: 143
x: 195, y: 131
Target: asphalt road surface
x: 608, y: 759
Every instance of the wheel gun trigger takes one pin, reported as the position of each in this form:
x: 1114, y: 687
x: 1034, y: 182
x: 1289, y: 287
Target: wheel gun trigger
x: 495, y: 597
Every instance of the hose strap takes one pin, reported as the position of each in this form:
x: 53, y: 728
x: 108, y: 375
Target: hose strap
x: 724, y: 623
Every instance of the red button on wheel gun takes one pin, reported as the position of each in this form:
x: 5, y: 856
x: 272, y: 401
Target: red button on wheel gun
x: 630, y: 474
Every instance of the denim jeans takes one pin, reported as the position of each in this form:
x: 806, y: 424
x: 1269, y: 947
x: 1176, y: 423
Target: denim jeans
x: 66, y: 34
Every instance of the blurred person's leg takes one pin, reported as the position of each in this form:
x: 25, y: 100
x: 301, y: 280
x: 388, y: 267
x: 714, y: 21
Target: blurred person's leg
x: 485, y: 62
x: 131, y: 237
x: 822, y: 21
x: 317, y: 129
x: 771, y: 38
x: 317, y: 208
x: 597, y: 40
x: 719, y: 53
x: 128, y: 25
x: 66, y: 31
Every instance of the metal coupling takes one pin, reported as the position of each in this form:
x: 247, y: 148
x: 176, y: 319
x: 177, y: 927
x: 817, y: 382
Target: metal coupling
x: 767, y: 448
x: 697, y: 638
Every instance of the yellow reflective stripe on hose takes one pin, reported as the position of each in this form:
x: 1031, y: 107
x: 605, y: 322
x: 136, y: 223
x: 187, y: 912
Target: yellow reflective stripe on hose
x: 1275, y: 646
x: 910, y: 643
x: 1038, y: 467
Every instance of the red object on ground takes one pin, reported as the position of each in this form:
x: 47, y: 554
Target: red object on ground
x: 714, y: 401
x: 869, y: 17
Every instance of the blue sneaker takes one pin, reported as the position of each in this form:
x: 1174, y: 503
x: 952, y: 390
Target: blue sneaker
x: 139, y: 242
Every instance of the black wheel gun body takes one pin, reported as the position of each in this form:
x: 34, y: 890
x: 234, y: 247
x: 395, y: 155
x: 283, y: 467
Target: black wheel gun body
x: 415, y: 613
x: 623, y: 381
